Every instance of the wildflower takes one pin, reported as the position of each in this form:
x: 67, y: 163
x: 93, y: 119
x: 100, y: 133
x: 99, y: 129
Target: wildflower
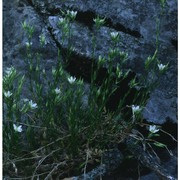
x: 53, y: 71
x: 28, y: 44
x: 15, y: 168
x: 135, y: 109
x: 153, y: 129
x: 57, y: 91
x: 72, y: 14
x: 25, y: 100
x: 61, y: 21
x: 114, y: 36
x: 7, y: 94
x: 161, y: 67
x: 99, y: 22
x: 71, y: 79
x: 24, y: 25
x: 17, y: 128
x: 123, y: 54
x: 32, y: 105
x: 9, y: 71
x: 101, y: 60
x: 113, y: 52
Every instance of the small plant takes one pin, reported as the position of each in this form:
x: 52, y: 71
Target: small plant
x: 55, y: 129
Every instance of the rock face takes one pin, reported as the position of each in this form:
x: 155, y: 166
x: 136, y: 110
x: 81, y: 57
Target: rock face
x: 135, y: 21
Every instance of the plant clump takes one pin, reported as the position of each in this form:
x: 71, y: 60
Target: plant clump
x: 50, y: 134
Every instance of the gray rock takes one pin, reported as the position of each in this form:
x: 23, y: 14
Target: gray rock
x: 110, y: 161
x: 150, y: 177
x: 134, y: 20
x: 136, y: 23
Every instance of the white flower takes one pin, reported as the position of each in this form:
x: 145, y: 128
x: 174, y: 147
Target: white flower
x: 24, y: 25
x: 71, y: 79
x: 153, y: 129
x: 28, y: 44
x: 57, y: 91
x: 8, y: 71
x: 114, y: 35
x: 161, y: 67
x: 44, y: 71
x: 114, y: 52
x: 135, y: 109
x: 7, y: 94
x: 25, y: 100
x: 124, y: 54
x: 99, y: 21
x: 53, y: 71
x: 17, y: 128
x: 32, y: 105
x: 61, y: 20
x: 72, y: 14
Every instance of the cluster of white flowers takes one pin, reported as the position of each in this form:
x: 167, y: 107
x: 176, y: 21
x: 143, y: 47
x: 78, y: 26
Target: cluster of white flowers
x: 71, y: 80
